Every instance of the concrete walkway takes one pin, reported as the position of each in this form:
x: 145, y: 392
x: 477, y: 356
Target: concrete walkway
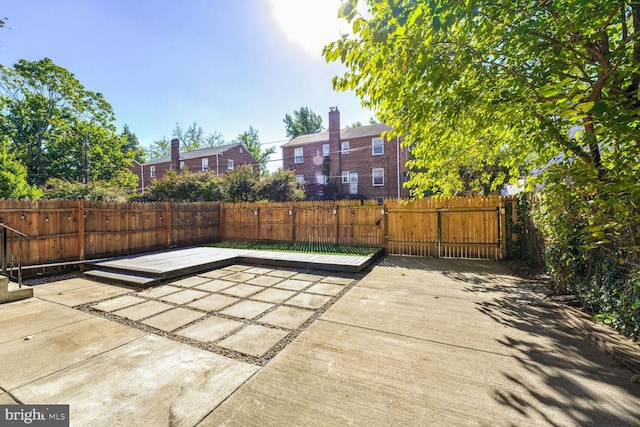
x: 416, y: 342
x: 441, y: 342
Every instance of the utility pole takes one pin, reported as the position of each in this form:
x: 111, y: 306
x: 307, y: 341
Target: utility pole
x: 85, y: 180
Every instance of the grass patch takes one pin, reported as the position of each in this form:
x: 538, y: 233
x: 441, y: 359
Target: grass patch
x: 309, y: 248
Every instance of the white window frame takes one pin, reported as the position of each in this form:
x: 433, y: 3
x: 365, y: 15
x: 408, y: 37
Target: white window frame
x: 377, y: 143
x: 345, y: 147
x: 373, y: 177
x: 152, y: 171
x: 300, y: 178
x: 181, y: 164
x: 345, y: 177
x: 205, y: 164
x: 230, y: 164
x: 325, y: 150
x: 298, y: 155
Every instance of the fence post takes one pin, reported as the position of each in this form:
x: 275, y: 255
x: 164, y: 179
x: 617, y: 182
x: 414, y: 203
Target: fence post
x: 4, y: 251
x: 258, y: 214
x: 439, y: 241
x: 167, y: 218
x: 221, y: 223
x: 337, y: 229
x: 292, y: 214
x: 81, y: 234
x: 502, y: 212
x: 385, y: 226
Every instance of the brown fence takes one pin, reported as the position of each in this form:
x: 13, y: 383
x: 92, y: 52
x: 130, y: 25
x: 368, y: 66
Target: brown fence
x: 332, y: 222
x: 471, y: 227
x: 61, y: 230
x: 65, y: 230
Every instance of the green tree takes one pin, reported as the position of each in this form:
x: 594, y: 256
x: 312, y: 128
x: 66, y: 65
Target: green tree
x: 159, y: 148
x: 56, y: 188
x: 187, y: 187
x: 302, y: 122
x: 47, y: 113
x: 251, y: 140
x: 474, y: 81
x: 13, y: 176
x: 194, y: 138
x: 519, y: 86
x: 191, y: 139
x: 133, y: 145
x: 240, y: 185
x: 281, y: 186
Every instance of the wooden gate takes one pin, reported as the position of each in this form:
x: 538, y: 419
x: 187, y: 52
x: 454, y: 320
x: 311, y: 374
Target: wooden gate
x: 447, y: 228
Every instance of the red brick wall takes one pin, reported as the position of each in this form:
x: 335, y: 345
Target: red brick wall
x: 239, y: 157
x: 359, y: 159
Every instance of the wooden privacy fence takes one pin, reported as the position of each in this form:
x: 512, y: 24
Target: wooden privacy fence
x: 68, y: 230
x: 331, y: 222
x: 64, y: 230
x: 469, y: 227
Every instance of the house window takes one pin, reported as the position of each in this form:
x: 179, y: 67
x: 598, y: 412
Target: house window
x: 377, y: 175
x: 181, y: 164
x: 377, y: 146
x: 321, y: 178
x: 205, y: 164
x: 345, y: 177
x: 300, y: 178
x: 152, y: 171
x: 297, y: 155
x: 230, y: 164
x: 325, y: 150
x: 345, y: 147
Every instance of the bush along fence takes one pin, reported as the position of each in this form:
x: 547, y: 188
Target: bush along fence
x: 64, y: 230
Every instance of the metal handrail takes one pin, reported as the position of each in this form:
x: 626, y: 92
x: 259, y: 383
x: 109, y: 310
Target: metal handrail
x: 21, y: 237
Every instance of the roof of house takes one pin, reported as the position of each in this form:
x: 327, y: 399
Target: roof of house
x: 345, y: 134
x: 204, y: 152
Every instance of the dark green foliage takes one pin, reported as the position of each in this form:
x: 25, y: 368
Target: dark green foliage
x: 56, y: 188
x: 281, y: 186
x: 529, y: 244
x: 13, y: 176
x: 591, y: 228
x: 187, y: 187
x: 46, y: 113
x: 240, y: 185
x: 132, y: 145
x: 251, y: 140
x: 304, y: 121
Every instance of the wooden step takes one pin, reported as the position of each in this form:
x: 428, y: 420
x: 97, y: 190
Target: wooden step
x: 122, y: 278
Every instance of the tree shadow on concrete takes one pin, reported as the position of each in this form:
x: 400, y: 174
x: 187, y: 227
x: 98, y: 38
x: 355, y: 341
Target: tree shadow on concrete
x: 574, y: 371
x: 578, y: 369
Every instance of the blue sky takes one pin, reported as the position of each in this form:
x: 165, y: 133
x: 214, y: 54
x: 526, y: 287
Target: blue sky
x: 225, y: 64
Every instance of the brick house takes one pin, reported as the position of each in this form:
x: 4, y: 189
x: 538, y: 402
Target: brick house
x: 217, y: 160
x: 357, y: 162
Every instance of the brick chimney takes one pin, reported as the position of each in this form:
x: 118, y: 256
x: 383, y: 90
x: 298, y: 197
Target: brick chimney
x: 334, y: 129
x: 334, y: 144
x: 175, y: 155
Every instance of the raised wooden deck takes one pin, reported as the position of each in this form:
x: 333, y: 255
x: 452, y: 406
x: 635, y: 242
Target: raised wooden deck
x: 150, y: 269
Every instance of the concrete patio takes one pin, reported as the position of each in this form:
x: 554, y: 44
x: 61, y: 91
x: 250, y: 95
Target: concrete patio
x: 416, y: 342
